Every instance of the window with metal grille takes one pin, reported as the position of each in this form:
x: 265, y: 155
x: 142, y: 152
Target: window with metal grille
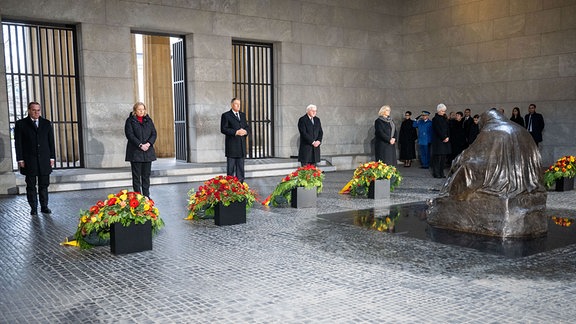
x: 252, y: 84
x: 41, y: 66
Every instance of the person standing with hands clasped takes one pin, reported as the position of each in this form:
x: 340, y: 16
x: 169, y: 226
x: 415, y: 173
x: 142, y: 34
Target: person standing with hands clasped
x: 36, y: 155
x: 141, y: 135
x: 441, y: 145
x: 234, y: 125
x: 534, y: 123
x: 385, y: 137
x: 311, y: 134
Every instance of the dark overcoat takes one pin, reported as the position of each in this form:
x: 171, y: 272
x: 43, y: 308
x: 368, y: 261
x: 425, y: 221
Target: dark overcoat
x: 407, y: 137
x: 140, y: 133
x: 385, y: 151
x: 309, y: 133
x: 234, y: 146
x: 34, y: 146
x: 440, y: 130
x: 537, y: 126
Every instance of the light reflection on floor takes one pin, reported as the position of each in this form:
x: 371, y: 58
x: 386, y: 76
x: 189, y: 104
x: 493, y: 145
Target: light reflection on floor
x: 410, y: 220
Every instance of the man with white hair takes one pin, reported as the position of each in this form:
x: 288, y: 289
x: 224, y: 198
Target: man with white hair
x: 310, y: 137
x: 440, y: 141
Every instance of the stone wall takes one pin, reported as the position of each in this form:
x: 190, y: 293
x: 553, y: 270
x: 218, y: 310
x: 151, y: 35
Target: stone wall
x: 347, y: 57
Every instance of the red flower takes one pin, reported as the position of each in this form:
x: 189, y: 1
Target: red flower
x: 100, y: 204
x: 111, y: 201
x: 94, y: 209
x: 134, y: 203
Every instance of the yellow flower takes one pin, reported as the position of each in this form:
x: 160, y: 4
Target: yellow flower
x: 123, y: 196
x: 110, y: 196
x: 223, y: 181
x: 146, y: 206
x: 556, y: 168
x: 93, y: 219
x: 569, y: 166
x: 572, y: 159
x: 83, y: 219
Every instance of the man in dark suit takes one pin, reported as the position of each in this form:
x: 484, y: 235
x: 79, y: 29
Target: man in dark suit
x: 310, y: 137
x: 534, y: 123
x: 35, y: 152
x: 233, y: 124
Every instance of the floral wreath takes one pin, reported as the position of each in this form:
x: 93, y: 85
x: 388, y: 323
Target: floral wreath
x: 565, y: 167
x: 224, y: 189
x: 367, y: 173
x: 125, y: 207
x: 308, y: 176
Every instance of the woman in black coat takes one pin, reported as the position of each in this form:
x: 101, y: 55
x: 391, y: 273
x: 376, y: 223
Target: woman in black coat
x: 141, y: 135
x: 516, y: 116
x: 385, y: 137
x: 408, y: 136
x: 440, y: 141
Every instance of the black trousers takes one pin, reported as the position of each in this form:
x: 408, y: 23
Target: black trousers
x: 438, y: 163
x: 32, y: 195
x: 141, y: 177
x: 235, y: 167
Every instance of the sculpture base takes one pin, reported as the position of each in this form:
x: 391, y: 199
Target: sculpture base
x: 522, y: 216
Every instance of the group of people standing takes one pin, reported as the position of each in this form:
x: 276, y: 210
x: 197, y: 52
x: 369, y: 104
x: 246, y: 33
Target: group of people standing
x: 438, y: 138
x: 234, y: 125
x: 441, y: 138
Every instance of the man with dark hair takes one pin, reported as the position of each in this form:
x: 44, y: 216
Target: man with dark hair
x: 233, y: 124
x: 534, y: 123
x: 36, y: 155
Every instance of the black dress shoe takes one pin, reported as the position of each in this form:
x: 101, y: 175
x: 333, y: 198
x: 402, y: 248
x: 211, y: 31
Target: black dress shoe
x: 46, y: 210
x: 34, y: 212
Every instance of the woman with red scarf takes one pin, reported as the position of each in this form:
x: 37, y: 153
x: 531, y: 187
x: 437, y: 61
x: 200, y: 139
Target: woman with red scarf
x: 141, y: 135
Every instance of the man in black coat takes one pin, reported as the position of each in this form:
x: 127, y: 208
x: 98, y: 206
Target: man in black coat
x: 440, y: 141
x: 36, y: 154
x: 311, y: 134
x: 233, y: 124
x: 534, y: 123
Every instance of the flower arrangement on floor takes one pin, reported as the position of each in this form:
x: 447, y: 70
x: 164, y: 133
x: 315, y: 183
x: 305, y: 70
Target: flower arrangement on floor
x: 125, y: 207
x: 368, y: 172
x: 565, y: 167
x: 385, y: 224
x: 307, y: 176
x: 562, y: 221
x: 224, y: 189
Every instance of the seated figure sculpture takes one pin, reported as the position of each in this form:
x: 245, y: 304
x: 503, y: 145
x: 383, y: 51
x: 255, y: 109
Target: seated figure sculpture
x: 495, y: 186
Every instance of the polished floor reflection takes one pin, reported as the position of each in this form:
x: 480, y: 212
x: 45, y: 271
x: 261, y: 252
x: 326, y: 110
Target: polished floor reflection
x: 410, y: 220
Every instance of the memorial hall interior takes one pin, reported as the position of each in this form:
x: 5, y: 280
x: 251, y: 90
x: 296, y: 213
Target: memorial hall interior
x: 347, y: 57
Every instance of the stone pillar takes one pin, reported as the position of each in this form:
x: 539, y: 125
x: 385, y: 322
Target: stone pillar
x: 107, y: 93
x: 209, y: 77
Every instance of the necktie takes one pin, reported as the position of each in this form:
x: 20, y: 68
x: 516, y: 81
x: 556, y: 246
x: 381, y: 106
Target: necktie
x: 530, y: 123
x: 237, y: 115
x: 312, y: 120
x: 36, y: 123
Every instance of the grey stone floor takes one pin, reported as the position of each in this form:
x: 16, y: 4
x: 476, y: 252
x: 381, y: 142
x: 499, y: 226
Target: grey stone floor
x: 282, y: 266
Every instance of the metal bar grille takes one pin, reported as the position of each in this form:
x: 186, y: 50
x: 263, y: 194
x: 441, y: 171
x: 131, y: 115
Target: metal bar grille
x: 41, y: 66
x: 252, y: 84
x: 178, y: 73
